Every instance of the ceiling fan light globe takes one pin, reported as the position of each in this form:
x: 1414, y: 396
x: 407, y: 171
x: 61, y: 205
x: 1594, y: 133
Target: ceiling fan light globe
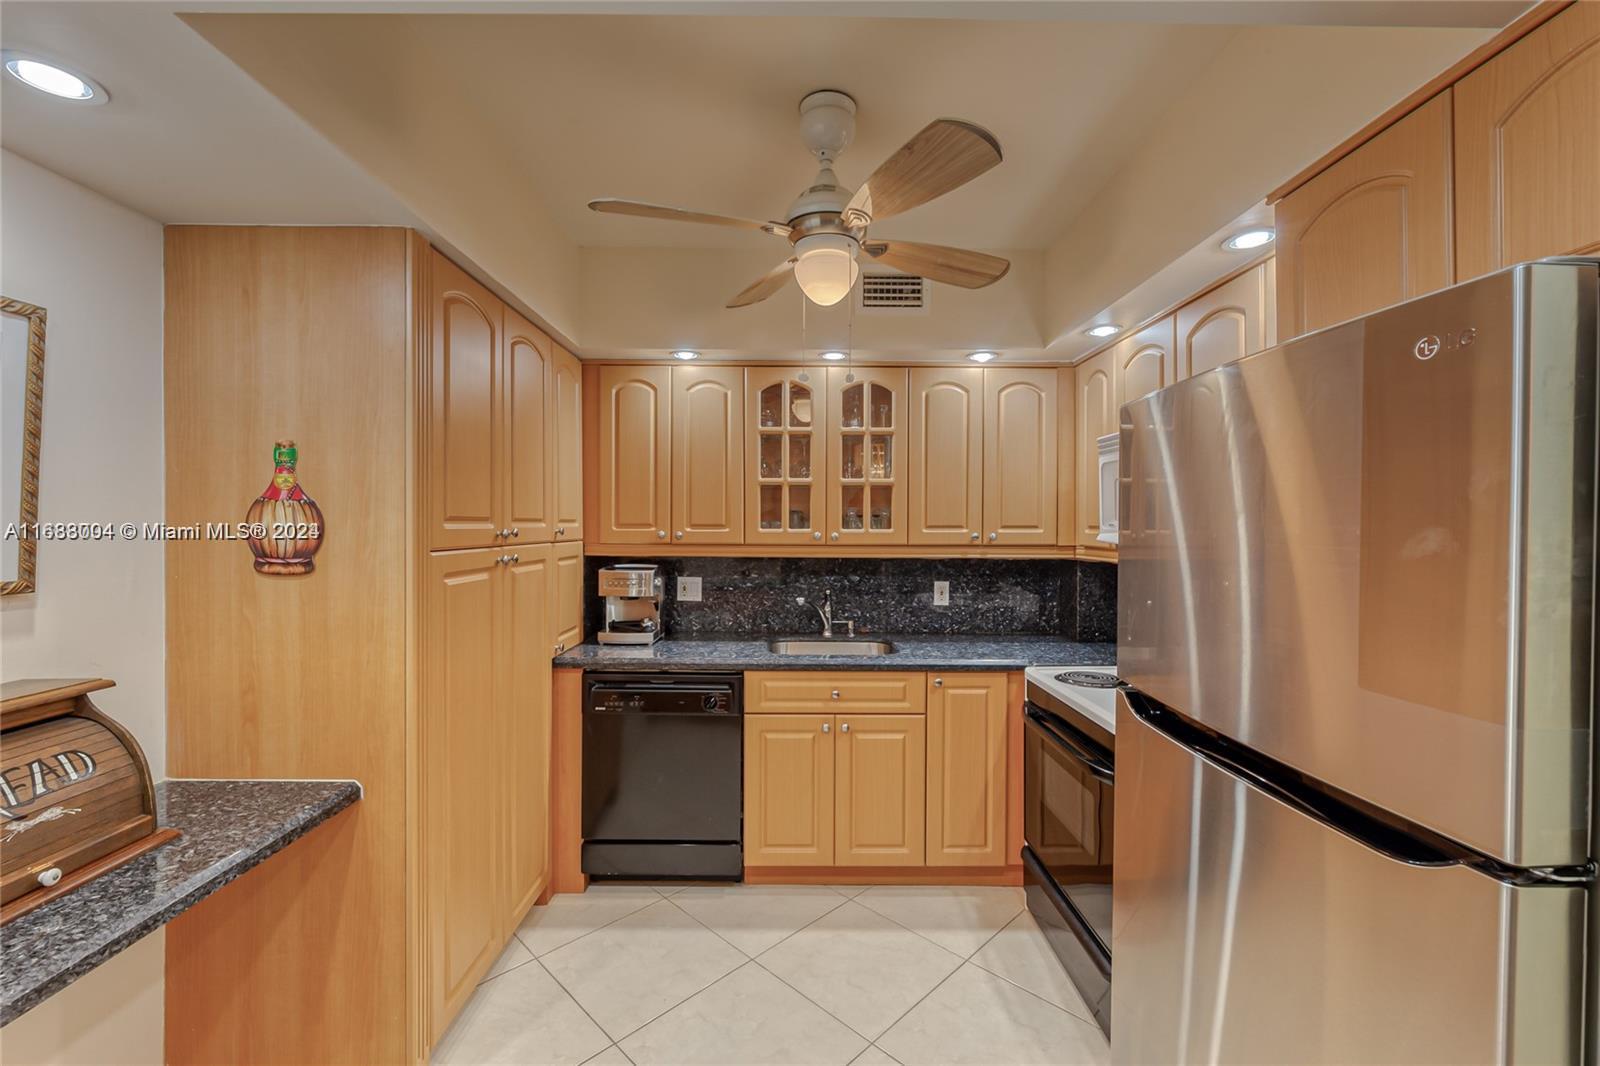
x: 826, y: 269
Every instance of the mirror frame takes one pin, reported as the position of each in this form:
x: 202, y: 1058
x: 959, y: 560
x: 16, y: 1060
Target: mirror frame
x: 32, y: 426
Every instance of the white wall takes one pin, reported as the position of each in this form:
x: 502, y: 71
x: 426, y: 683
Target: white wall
x: 96, y: 268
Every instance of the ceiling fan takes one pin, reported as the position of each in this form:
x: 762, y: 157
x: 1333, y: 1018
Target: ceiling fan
x: 827, y: 224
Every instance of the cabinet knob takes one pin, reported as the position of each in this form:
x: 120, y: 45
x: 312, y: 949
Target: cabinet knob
x: 499, y: 534
x: 50, y: 876
x: 834, y: 535
x: 826, y: 728
x: 976, y: 535
x: 835, y: 693
x: 514, y: 532
x: 844, y: 727
x: 993, y: 537
x: 677, y: 535
x: 561, y: 531
x: 661, y: 534
x: 516, y: 558
x: 938, y: 682
x: 817, y: 535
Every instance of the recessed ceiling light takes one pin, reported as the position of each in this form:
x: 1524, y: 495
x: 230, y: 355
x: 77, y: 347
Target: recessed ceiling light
x: 983, y: 357
x: 686, y: 355
x: 1250, y: 238
x: 49, y: 78
x: 833, y: 357
x: 1106, y: 330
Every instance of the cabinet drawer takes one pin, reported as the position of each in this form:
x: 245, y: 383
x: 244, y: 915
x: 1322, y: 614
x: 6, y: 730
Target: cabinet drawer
x: 827, y: 691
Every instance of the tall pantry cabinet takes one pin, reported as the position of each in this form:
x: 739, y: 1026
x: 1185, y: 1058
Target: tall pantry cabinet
x: 439, y: 431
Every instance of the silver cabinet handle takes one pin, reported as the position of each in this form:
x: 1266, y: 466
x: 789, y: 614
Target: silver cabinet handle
x: 661, y: 534
x: 560, y: 532
x: 835, y: 693
x: 826, y: 727
x: 499, y: 533
x: 516, y: 558
x: 844, y: 727
x: 514, y: 532
x: 993, y: 537
x: 834, y: 535
x: 678, y: 535
x: 938, y: 682
x: 976, y: 535
x: 817, y: 535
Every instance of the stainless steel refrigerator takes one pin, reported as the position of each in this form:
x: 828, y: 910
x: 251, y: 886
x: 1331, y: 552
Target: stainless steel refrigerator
x: 1356, y: 607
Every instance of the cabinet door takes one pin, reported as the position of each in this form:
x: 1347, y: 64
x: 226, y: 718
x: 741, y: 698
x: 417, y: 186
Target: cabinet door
x: 1019, y: 456
x: 1527, y: 127
x: 525, y: 728
x: 1144, y: 362
x: 1067, y: 455
x: 635, y: 446
x: 788, y: 790
x: 784, y: 427
x: 566, y: 475
x: 1371, y: 230
x: 880, y: 815
x: 1097, y: 416
x: 459, y: 744
x: 465, y: 478
x: 866, y: 492
x: 967, y: 770
x: 945, y: 465
x: 567, y: 597
x: 707, y: 455
x: 1227, y: 323
x: 529, y: 433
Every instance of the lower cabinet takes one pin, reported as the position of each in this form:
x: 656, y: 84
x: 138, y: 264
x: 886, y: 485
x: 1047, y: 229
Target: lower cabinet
x: 788, y: 790
x: 967, y: 770
x: 878, y: 790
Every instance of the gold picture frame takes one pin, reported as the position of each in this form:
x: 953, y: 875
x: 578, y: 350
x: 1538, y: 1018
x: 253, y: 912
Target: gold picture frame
x: 32, y: 426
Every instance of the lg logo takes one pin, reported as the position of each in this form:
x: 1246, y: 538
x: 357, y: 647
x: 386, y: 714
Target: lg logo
x: 1432, y: 345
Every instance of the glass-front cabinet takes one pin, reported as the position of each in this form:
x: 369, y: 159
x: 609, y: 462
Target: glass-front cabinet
x: 786, y: 413
x: 866, y: 454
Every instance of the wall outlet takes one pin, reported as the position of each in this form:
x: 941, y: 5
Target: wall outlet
x: 689, y: 589
x: 941, y: 593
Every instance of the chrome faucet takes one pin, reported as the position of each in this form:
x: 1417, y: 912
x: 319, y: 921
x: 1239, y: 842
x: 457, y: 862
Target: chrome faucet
x: 825, y: 612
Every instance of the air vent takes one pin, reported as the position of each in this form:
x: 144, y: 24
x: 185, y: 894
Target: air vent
x: 893, y: 292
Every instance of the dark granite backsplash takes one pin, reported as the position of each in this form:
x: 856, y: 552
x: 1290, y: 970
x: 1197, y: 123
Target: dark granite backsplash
x: 1075, y: 600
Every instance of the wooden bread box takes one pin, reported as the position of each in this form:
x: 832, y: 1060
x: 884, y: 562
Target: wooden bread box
x: 76, y: 797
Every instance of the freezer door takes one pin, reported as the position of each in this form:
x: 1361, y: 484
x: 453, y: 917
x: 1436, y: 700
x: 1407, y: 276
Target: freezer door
x: 1245, y: 931
x: 1369, y: 553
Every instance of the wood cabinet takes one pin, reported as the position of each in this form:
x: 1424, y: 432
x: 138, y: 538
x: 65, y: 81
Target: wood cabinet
x: 1527, y: 148
x: 865, y: 484
x: 784, y: 444
x: 1067, y: 455
x: 1098, y: 389
x: 945, y: 476
x: 524, y: 777
x: 879, y: 794
x: 1233, y: 320
x: 1019, y: 456
x: 967, y: 747
x: 529, y: 434
x: 1371, y: 230
x: 707, y: 455
x: 635, y: 438
x: 788, y: 790
x: 566, y: 601
x: 1144, y: 362
x: 466, y: 486
x: 829, y: 691
x: 566, y: 420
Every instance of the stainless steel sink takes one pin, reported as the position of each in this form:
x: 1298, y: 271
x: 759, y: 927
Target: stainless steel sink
x: 829, y: 646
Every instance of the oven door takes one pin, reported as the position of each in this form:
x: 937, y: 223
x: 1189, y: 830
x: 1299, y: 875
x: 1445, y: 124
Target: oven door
x: 1067, y: 811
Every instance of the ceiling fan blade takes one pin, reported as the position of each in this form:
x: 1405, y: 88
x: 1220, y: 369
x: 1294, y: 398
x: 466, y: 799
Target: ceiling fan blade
x: 953, y: 266
x: 769, y: 283
x: 612, y: 206
x: 947, y: 154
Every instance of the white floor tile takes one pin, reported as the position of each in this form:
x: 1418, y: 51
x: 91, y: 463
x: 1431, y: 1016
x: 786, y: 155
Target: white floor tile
x: 750, y: 1017
x: 754, y: 917
x: 570, y: 915
x: 521, y: 1017
x: 958, y: 918
x: 513, y: 956
x: 1022, y: 955
x: 861, y: 967
x: 611, y: 1056
x: 850, y: 890
x: 642, y: 965
x: 978, y: 1018
x: 875, y: 1056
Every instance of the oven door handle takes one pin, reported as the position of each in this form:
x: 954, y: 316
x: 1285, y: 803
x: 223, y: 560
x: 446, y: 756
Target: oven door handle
x: 1102, y: 770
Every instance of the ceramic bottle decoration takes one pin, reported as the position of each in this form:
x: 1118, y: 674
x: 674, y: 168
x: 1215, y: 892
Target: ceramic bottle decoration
x: 285, y: 524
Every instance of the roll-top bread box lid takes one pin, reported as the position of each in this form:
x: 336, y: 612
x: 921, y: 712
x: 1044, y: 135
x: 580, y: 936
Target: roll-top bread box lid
x: 76, y: 797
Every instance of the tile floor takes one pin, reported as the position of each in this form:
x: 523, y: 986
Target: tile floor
x: 742, y: 974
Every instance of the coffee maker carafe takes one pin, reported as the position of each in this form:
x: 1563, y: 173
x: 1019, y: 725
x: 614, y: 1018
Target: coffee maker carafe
x: 633, y: 604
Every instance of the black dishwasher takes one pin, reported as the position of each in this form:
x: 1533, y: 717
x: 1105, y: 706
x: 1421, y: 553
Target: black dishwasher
x: 663, y: 765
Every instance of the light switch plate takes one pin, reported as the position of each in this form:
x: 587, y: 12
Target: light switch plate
x: 941, y: 593
x: 689, y: 589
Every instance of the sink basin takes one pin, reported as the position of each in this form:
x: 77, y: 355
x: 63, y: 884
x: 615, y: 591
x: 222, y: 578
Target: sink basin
x: 829, y: 646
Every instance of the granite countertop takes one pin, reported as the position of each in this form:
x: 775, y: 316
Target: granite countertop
x: 228, y: 827
x: 911, y: 653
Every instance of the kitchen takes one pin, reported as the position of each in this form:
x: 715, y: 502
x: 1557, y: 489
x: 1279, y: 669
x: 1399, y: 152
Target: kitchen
x: 633, y: 656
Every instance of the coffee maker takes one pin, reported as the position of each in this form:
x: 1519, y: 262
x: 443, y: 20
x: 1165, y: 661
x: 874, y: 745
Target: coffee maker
x: 633, y: 604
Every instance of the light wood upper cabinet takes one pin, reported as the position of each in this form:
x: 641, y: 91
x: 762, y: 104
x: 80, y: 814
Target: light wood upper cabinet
x: 1527, y: 148
x: 566, y: 597
x: 634, y: 440
x: 1019, y: 456
x: 1231, y: 321
x: 865, y: 480
x: 1067, y: 455
x: 785, y: 421
x: 1097, y: 415
x: 1144, y: 362
x: 465, y: 469
x: 566, y: 468
x: 525, y: 729
x: 967, y: 769
x: 1371, y: 230
x: 879, y: 794
x: 529, y: 438
x: 707, y: 455
x: 945, y: 468
x: 788, y: 790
